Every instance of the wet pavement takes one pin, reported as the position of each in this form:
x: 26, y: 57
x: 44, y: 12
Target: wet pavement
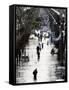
x: 46, y: 66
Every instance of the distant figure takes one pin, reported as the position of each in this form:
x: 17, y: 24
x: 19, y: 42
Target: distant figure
x: 52, y: 51
x: 42, y: 45
x: 47, y: 42
x: 35, y: 74
x: 38, y: 52
x: 38, y: 37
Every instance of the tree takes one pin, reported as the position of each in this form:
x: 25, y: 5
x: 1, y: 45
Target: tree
x: 27, y: 19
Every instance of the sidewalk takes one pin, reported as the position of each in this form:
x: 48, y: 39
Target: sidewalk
x: 46, y: 66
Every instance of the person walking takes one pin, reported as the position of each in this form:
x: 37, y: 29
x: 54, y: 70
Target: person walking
x: 42, y: 45
x: 38, y: 51
x: 35, y: 74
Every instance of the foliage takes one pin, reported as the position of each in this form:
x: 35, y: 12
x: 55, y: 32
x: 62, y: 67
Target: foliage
x: 27, y: 19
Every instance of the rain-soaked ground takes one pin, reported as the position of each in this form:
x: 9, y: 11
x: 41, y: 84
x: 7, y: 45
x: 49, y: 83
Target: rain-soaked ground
x: 46, y: 65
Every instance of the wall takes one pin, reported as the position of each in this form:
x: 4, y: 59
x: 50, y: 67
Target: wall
x: 4, y: 44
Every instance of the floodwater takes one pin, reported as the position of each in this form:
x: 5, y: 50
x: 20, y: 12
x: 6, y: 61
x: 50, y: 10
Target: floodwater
x: 46, y: 65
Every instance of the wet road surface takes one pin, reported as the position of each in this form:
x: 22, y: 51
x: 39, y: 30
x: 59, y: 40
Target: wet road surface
x: 46, y: 65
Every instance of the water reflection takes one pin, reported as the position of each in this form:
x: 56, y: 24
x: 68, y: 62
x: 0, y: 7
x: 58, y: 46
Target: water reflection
x: 36, y: 63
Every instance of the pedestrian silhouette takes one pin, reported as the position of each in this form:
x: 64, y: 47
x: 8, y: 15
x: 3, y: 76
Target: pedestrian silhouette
x: 38, y: 52
x: 42, y: 45
x: 52, y: 51
x: 47, y: 43
x: 35, y: 74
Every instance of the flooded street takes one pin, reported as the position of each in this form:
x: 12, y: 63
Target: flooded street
x: 41, y: 47
x: 46, y: 65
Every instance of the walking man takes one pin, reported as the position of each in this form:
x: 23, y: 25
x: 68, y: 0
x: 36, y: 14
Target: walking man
x: 35, y: 74
x: 38, y: 52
